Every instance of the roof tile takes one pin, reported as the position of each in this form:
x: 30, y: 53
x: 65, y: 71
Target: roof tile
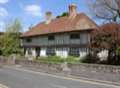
x: 62, y: 24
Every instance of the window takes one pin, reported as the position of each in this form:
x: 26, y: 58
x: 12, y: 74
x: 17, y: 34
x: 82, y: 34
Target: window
x: 74, y: 52
x: 51, y: 37
x: 28, y: 40
x: 50, y: 52
x: 75, y: 36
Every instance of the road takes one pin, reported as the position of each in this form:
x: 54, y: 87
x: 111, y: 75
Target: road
x: 20, y: 78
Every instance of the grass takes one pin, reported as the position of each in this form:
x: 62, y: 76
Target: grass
x: 56, y: 59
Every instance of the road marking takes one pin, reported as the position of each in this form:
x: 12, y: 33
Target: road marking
x: 65, y: 78
x: 3, y: 86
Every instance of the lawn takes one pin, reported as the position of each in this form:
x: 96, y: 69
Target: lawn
x: 56, y: 59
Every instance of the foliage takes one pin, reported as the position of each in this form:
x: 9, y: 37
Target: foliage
x: 109, y: 40
x: 118, y: 51
x: 63, y: 14
x: 90, y: 58
x: 10, y: 40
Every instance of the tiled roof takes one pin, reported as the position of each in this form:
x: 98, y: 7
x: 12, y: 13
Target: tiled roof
x: 62, y: 24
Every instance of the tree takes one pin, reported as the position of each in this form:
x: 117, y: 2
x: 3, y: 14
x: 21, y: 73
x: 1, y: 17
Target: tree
x: 10, y: 41
x: 108, y: 10
x: 63, y: 14
x: 108, y: 37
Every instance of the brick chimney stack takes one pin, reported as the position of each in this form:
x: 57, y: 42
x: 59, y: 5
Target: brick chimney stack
x: 72, y: 10
x: 48, y: 17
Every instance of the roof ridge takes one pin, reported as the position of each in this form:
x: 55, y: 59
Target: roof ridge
x: 62, y: 24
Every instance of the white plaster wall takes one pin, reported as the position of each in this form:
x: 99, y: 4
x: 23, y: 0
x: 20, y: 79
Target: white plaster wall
x: 62, y: 52
x: 26, y: 53
x: 33, y: 52
x: 83, y: 52
x: 43, y: 52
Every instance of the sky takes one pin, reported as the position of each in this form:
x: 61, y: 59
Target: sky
x: 31, y: 12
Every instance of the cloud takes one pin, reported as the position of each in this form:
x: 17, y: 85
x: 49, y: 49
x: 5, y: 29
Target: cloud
x: 33, y: 10
x: 4, y: 1
x: 3, y: 12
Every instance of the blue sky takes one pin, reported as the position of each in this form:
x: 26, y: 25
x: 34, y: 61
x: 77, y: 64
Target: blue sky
x: 31, y: 12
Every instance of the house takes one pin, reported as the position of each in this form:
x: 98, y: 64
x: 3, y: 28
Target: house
x: 64, y: 36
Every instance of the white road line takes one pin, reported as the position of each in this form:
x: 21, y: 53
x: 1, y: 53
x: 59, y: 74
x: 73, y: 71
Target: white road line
x: 65, y: 78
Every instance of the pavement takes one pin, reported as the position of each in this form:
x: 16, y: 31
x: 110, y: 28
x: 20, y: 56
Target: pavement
x: 3, y: 86
x: 23, y: 78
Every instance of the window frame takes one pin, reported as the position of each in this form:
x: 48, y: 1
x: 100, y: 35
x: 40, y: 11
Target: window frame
x: 75, y: 36
x: 51, y: 37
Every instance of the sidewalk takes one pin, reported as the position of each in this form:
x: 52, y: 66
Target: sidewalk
x: 3, y: 86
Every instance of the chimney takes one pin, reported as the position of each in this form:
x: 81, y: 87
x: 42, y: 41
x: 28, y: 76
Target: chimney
x: 48, y: 17
x: 72, y: 10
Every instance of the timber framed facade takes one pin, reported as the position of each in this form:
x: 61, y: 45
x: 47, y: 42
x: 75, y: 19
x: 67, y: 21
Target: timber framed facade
x: 64, y: 36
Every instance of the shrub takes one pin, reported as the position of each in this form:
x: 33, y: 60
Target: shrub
x: 118, y: 51
x: 90, y: 59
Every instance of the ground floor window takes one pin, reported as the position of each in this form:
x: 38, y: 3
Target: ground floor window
x: 50, y: 51
x: 74, y: 52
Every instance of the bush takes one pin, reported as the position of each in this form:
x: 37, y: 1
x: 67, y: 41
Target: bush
x: 90, y: 59
x: 118, y: 51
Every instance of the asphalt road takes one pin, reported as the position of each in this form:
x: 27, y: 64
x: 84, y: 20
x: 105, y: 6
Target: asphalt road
x: 19, y: 78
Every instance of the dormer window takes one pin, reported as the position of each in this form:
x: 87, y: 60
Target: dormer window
x: 51, y: 37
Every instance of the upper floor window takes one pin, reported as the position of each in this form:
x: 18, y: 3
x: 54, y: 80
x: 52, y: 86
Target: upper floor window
x: 51, y: 37
x: 28, y: 40
x: 75, y: 36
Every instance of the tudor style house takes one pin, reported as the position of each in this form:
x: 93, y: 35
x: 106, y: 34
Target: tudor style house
x: 63, y: 36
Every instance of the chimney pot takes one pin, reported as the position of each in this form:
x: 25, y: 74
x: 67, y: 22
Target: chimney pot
x: 48, y: 17
x: 72, y: 10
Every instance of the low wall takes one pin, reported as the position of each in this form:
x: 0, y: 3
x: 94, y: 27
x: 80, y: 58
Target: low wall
x: 94, y: 71
x: 75, y: 68
x: 91, y: 71
x: 40, y: 65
